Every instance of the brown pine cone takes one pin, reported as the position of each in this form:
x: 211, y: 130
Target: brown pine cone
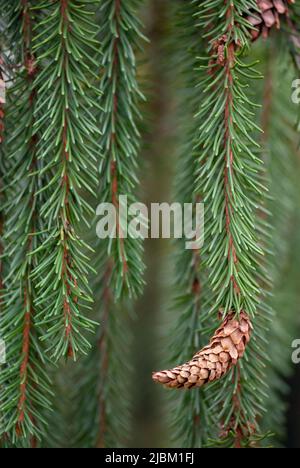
x: 271, y: 11
x: 211, y: 363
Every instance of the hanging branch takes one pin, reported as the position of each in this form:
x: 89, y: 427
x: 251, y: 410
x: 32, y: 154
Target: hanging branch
x: 88, y: 409
x: 114, y: 370
x: 121, y: 36
x: 68, y: 149
x: 119, y: 259
x: 230, y: 179
x: 25, y: 386
x: 233, y: 181
x: 189, y: 413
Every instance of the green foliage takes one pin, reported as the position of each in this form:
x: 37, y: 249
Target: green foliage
x: 24, y: 383
x: 238, y: 230
x: 67, y: 52
x: 190, y: 416
x: 230, y: 167
x: 72, y: 140
x: 121, y: 36
x: 230, y: 181
x: 230, y: 184
x: 103, y: 417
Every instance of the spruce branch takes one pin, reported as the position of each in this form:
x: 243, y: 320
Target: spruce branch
x: 58, y: 114
x: 114, y: 358
x: 230, y: 181
x: 66, y: 49
x: 190, y: 418
x: 92, y: 397
x: 119, y: 260
x: 228, y: 169
x: 231, y: 177
x: 25, y: 386
x: 121, y: 36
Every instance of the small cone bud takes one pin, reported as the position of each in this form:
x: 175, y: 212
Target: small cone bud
x: 211, y: 363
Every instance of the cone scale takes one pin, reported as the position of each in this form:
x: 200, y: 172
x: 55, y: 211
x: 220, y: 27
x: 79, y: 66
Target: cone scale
x: 270, y: 15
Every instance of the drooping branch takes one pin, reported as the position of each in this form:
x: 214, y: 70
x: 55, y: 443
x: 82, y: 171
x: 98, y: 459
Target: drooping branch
x: 234, y: 252
x: 189, y: 414
x: 119, y: 261
x: 68, y: 150
x: 24, y: 394
x: 121, y: 138
x: 101, y: 417
x: 229, y: 182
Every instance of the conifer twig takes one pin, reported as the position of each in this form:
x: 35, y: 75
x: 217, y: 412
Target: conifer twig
x: 229, y: 179
x: 119, y: 260
x: 189, y: 413
x: 121, y: 37
x: 69, y: 152
x: 25, y: 387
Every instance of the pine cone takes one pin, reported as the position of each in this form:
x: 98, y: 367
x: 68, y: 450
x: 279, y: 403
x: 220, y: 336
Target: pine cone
x: 211, y: 363
x: 271, y: 10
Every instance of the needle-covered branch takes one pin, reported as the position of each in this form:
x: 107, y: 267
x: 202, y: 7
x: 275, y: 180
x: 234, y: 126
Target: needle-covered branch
x: 121, y: 38
x: 66, y: 48
x: 24, y: 384
x: 231, y: 179
x: 230, y: 182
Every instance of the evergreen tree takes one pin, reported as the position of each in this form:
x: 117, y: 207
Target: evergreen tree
x: 71, y: 110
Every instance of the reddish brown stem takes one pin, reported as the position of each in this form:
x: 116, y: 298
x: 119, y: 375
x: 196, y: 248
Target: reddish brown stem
x: 66, y: 276
x: 229, y: 61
